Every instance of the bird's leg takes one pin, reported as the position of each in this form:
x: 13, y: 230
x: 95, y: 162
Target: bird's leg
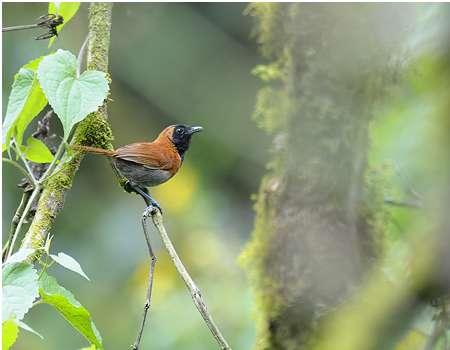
x: 145, y: 215
x: 130, y: 187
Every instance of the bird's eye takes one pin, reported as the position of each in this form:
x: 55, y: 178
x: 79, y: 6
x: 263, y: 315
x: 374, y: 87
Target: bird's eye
x: 180, y: 131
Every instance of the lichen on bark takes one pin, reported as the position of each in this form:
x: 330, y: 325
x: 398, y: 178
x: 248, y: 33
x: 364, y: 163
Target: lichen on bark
x: 94, y: 130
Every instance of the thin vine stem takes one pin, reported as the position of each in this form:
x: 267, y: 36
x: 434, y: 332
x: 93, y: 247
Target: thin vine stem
x: 15, y: 221
x: 36, y: 191
x: 25, y: 212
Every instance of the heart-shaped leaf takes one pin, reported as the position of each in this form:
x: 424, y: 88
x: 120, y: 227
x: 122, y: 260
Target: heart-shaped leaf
x: 20, y: 289
x: 37, y: 151
x: 25, y: 102
x: 71, y: 97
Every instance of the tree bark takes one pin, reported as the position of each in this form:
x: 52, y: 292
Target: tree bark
x: 94, y: 130
x: 319, y: 218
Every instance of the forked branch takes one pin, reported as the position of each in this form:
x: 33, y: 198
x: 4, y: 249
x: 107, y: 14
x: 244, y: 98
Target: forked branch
x: 193, y: 289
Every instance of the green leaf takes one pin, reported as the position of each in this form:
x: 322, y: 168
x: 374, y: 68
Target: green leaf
x: 66, y: 304
x: 69, y: 263
x: 20, y: 289
x: 21, y: 255
x: 28, y: 328
x: 71, y: 97
x: 9, y: 334
x: 25, y: 102
x: 65, y: 9
x: 37, y: 151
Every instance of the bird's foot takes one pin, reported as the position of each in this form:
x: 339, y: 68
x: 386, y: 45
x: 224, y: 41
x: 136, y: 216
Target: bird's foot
x: 152, y: 209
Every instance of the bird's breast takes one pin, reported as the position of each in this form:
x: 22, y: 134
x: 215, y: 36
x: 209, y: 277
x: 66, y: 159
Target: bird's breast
x: 141, y: 174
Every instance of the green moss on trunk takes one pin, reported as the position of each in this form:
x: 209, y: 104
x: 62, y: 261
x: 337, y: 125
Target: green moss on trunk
x: 94, y: 130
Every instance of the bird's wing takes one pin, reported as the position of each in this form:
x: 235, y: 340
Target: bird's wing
x: 149, y: 154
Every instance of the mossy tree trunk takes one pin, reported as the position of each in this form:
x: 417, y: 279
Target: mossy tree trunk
x: 318, y: 224
x: 94, y: 130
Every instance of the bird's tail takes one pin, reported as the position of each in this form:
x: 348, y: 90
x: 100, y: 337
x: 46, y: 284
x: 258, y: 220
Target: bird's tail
x: 95, y: 150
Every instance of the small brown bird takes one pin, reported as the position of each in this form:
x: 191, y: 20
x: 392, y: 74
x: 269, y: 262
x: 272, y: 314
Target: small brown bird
x: 147, y: 164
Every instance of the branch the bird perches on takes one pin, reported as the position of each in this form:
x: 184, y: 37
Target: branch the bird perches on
x: 196, y: 295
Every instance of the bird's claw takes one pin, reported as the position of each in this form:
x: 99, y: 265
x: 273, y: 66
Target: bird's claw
x: 154, y: 205
x: 151, y: 210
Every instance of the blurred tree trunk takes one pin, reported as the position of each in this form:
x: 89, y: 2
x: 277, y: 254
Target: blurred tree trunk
x: 319, y: 217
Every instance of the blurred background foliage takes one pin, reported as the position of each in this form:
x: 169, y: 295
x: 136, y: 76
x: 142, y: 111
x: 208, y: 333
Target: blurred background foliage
x: 169, y: 63
x: 192, y: 63
x: 349, y: 254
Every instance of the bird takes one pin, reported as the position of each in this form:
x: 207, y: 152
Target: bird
x: 149, y: 164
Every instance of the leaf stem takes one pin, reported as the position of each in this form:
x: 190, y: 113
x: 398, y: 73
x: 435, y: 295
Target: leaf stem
x: 52, y: 165
x: 80, y: 55
x: 25, y: 162
x: 45, y: 266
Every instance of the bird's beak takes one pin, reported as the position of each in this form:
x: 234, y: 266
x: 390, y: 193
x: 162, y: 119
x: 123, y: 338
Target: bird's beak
x: 194, y: 129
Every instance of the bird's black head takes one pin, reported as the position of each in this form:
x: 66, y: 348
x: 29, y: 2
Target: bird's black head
x: 181, y: 137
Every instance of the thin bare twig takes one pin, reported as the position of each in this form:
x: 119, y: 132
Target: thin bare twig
x: 193, y: 289
x: 15, y: 222
x: 22, y: 27
x: 150, y: 282
x: 32, y: 176
x: 406, y: 204
x: 27, y: 208
x: 36, y: 192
